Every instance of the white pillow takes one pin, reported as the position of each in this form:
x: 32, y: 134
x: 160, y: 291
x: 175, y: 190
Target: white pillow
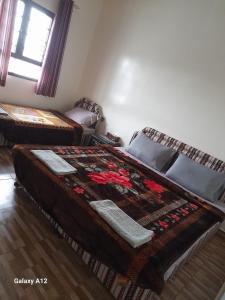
x: 82, y: 116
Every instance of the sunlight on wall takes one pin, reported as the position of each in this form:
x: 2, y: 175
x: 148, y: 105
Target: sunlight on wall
x: 124, y: 79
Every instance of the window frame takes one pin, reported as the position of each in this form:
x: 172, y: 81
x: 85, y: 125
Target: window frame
x: 18, y: 54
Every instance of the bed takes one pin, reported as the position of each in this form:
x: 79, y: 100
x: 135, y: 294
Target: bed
x: 180, y: 220
x: 20, y: 125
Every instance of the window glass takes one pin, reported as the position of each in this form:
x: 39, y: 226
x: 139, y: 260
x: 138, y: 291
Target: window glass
x: 31, y: 33
x: 23, y: 68
x: 18, y: 22
x: 37, y: 35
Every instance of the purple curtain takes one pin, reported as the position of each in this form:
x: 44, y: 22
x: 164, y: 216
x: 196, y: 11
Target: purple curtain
x: 7, y: 20
x: 48, y: 82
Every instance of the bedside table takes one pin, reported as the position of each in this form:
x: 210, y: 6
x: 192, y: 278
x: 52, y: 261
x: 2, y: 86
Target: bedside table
x: 98, y: 139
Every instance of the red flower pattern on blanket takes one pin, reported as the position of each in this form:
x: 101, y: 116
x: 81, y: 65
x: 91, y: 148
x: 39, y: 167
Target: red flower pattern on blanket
x: 110, y: 177
x: 123, y: 172
x: 77, y: 151
x: 193, y: 206
x: 78, y: 190
x: 61, y: 151
x: 111, y: 165
x: 184, y: 212
x: 163, y: 224
x: 175, y: 217
x: 153, y: 186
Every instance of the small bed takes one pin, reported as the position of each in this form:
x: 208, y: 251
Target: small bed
x: 21, y: 125
x: 180, y: 220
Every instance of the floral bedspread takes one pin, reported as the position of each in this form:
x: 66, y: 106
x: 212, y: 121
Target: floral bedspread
x: 104, y: 175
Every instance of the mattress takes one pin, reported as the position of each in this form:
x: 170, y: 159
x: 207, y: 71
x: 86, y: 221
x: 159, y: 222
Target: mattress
x: 36, y: 126
x: 178, y: 219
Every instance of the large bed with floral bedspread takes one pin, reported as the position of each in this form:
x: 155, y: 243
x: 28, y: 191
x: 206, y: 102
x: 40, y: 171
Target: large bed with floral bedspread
x: 177, y: 218
x: 23, y: 125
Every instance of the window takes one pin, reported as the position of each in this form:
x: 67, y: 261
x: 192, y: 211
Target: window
x: 31, y: 32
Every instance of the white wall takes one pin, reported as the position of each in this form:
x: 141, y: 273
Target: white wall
x: 82, y: 28
x: 161, y: 63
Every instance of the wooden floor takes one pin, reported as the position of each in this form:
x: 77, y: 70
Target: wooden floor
x: 29, y: 248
